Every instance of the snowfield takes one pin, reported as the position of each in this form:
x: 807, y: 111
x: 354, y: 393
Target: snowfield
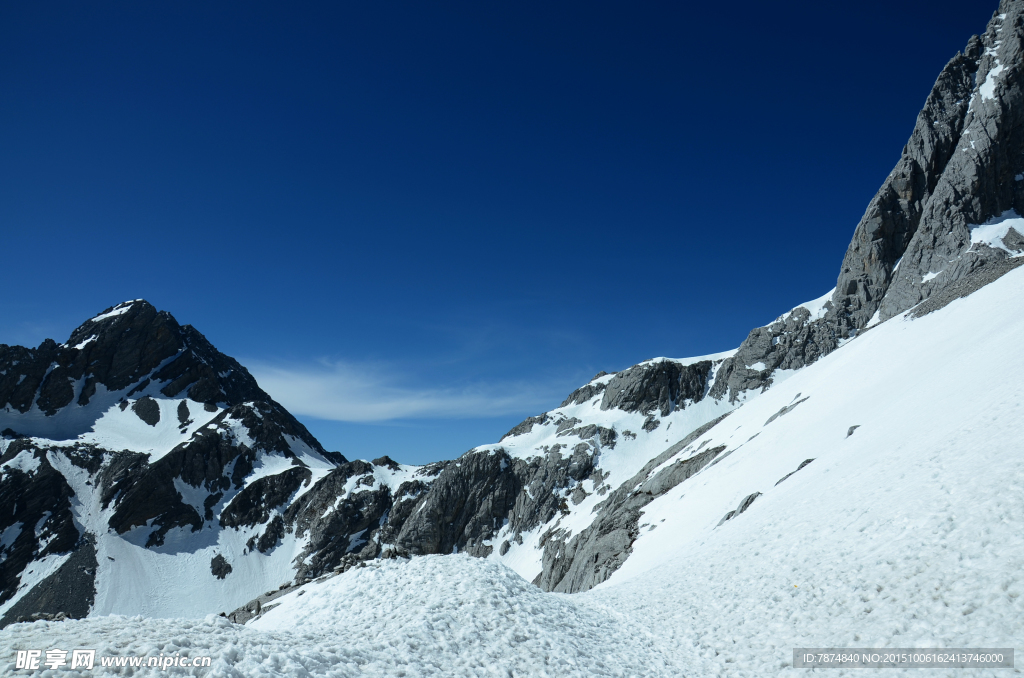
x: 433, y: 616
x: 906, y: 530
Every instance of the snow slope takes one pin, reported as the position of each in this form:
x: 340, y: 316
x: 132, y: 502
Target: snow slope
x: 906, y: 532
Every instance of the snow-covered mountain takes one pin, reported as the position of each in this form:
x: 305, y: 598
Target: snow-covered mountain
x: 851, y: 475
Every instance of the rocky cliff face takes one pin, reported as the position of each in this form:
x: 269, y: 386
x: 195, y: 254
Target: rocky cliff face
x: 136, y: 452
x: 962, y: 168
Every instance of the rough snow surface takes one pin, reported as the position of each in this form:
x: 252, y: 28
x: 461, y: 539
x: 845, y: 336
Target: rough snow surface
x: 433, y: 616
x: 909, y: 532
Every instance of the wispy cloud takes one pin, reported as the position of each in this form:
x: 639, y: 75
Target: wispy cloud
x: 350, y: 392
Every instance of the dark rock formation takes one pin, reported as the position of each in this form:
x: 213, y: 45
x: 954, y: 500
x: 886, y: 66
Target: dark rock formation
x: 35, y: 504
x: 148, y: 410
x: 1013, y: 240
x: 220, y: 567
x: 139, y: 355
x: 586, y: 392
x: 894, y: 214
x: 663, y: 386
x: 785, y: 410
x: 527, y: 425
x: 70, y: 591
x: 966, y: 285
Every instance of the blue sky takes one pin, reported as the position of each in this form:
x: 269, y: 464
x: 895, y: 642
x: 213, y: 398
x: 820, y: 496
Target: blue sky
x: 418, y: 223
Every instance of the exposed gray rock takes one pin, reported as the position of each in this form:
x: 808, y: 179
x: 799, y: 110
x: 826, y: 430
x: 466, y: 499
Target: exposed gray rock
x: 148, y: 410
x: 586, y: 392
x: 580, y: 562
x: 41, y: 499
x: 747, y: 501
x: 957, y: 169
x: 853, y: 428
x: 386, y: 462
x: 785, y: 410
x: 526, y: 426
x: 978, y: 182
x: 911, y: 249
x: 183, y: 413
x: 466, y: 505
x: 805, y: 462
x: 118, y: 352
x: 789, y: 344
x: 335, y: 529
x: 967, y: 285
x: 590, y: 557
x: 1013, y: 240
x: 606, y: 436
x: 663, y: 386
x: 894, y: 214
x: 252, y: 506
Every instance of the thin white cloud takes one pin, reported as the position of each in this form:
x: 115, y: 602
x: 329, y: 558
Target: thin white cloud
x: 359, y: 393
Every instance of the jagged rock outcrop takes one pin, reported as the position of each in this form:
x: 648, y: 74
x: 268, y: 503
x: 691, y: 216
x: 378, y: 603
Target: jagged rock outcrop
x: 36, y: 520
x: 483, y: 491
x: 984, y: 177
x: 661, y: 385
x: 67, y: 593
x: 790, y: 343
x: 894, y: 214
x: 963, y: 165
x: 127, y: 345
x: 579, y: 562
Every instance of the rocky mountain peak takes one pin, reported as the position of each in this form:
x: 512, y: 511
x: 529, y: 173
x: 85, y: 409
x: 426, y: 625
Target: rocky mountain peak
x: 123, y: 350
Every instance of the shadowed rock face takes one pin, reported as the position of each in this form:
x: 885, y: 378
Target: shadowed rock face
x: 36, y: 505
x: 980, y: 179
x: 121, y: 348
x: 68, y: 592
x: 477, y: 494
x: 789, y: 344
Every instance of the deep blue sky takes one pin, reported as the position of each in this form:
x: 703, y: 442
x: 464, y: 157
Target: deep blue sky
x: 449, y: 213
